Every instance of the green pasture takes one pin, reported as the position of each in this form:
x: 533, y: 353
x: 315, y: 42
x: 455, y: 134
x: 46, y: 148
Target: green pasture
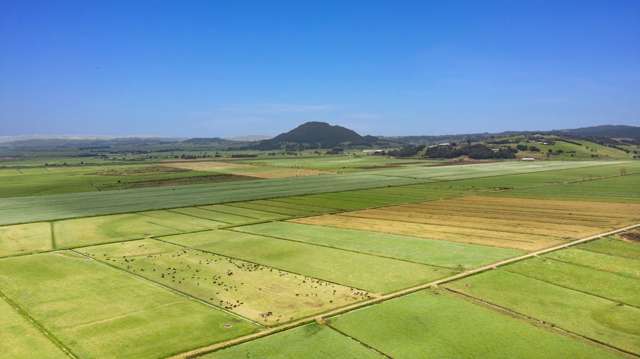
x: 434, y: 324
x: 455, y: 172
x: 41, y: 208
x: 615, y: 189
x: 101, y: 312
x: 604, y: 262
x: 346, y: 162
x: 223, y: 218
x: 239, y: 215
x: 19, y: 338
x: 578, y: 150
x: 604, y: 284
x: 614, y: 247
x: 452, y: 255
x: 120, y: 227
x: 262, y: 294
x: 594, y: 317
x: 12, y: 210
x: 72, y: 179
x: 261, y: 206
x: 310, y: 341
x: 367, y: 272
x: 25, y: 238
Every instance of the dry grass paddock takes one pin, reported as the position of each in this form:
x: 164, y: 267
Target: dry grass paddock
x: 527, y: 224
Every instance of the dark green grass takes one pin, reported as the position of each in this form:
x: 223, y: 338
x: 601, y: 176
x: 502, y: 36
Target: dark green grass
x: 311, y: 341
x: 594, y: 317
x: 58, y: 180
x: 433, y: 324
x: 361, y: 271
x: 456, y: 256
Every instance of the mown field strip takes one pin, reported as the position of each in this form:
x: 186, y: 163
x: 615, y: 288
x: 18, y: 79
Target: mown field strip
x: 388, y: 296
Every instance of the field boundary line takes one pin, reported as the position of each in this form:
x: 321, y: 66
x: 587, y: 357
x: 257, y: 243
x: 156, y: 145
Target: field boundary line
x: 166, y: 287
x: 262, y: 210
x: 39, y: 327
x: 218, y: 211
x: 573, y: 289
x: 199, y: 217
x: 54, y: 246
x: 340, y: 249
x: 282, y: 205
x: 382, y: 298
x: 537, y: 322
x: 328, y: 325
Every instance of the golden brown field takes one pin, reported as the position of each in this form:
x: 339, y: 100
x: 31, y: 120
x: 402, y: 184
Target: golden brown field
x: 527, y: 224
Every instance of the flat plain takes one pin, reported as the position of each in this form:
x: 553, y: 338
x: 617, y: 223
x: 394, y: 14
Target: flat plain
x: 327, y: 264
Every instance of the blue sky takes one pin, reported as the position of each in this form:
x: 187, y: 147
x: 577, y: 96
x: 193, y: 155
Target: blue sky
x: 213, y: 68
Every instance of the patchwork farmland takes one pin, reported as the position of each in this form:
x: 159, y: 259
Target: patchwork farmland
x: 406, y: 260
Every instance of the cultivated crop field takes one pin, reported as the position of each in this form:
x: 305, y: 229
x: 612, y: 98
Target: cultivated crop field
x: 492, y: 260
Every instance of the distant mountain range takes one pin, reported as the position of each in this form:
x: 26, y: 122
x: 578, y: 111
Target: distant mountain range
x: 308, y: 135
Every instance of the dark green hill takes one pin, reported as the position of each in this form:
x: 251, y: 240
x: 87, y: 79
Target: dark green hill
x: 317, y: 134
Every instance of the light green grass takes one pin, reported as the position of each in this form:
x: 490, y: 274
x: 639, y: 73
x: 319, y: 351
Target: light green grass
x: 434, y: 252
x: 25, y: 238
x: 615, y: 247
x: 601, y: 283
x: 101, y: 312
x: 21, y: 339
x: 584, y: 314
x: 120, y: 227
x: 262, y: 294
x: 362, y: 271
x: 432, y: 324
x: 620, y: 265
x: 310, y: 342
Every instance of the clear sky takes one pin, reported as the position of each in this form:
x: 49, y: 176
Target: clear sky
x: 229, y: 68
